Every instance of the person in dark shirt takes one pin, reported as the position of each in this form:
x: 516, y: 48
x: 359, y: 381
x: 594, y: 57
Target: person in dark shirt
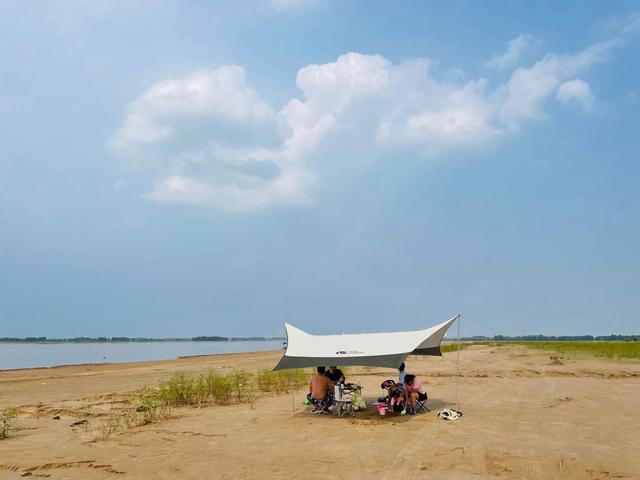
x: 335, y: 374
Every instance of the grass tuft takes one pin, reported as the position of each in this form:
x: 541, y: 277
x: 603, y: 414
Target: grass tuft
x: 143, y: 408
x: 7, y: 422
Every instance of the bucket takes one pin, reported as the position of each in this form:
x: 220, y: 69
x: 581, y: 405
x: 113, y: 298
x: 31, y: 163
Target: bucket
x: 382, y: 409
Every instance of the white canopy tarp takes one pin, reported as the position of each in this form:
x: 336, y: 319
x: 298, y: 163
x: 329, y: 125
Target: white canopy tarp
x: 369, y: 349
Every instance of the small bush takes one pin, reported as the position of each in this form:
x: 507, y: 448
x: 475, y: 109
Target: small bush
x: 215, y: 388
x: 177, y: 390
x: 278, y: 381
x: 243, y: 385
x: 7, y: 422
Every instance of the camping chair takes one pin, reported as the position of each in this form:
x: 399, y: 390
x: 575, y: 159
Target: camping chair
x: 421, y: 405
x: 320, y: 406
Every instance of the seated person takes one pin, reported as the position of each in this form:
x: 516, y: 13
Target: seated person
x: 335, y: 374
x: 320, y: 387
x: 395, y: 389
x: 413, y: 391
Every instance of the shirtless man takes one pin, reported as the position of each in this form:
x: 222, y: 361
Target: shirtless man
x: 319, y: 386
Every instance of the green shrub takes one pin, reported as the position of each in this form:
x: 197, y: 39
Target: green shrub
x: 177, y: 390
x: 219, y: 388
x: 238, y: 386
x: 278, y: 381
x: 243, y: 385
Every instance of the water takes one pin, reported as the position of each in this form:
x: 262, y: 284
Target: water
x: 28, y: 355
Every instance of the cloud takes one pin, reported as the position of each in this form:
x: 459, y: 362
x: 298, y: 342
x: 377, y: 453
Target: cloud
x: 523, y: 97
x: 575, y: 90
x: 203, y: 100
x: 209, y: 139
x: 515, y: 48
x: 206, y: 139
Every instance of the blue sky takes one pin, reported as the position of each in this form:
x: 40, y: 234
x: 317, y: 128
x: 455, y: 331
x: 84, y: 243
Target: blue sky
x: 186, y: 168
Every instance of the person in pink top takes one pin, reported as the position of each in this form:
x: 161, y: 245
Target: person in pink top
x: 413, y: 391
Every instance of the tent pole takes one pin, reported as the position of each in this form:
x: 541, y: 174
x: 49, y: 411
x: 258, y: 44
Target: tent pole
x: 458, y: 363
x: 293, y: 408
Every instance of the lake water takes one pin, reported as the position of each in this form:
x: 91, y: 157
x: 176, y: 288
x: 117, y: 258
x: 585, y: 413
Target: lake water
x: 27, y: 355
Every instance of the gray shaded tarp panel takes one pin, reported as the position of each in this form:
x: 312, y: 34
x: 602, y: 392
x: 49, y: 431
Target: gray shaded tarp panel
x: 435, y: 351
x: 389, y: 361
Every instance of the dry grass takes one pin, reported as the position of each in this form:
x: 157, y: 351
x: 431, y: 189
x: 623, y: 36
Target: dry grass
x: 211, y: 388
x: 7, y: 422
x: 141, y: 409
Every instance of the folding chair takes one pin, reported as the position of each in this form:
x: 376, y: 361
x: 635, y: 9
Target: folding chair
x: 421, y: 405
x: 320, y: 406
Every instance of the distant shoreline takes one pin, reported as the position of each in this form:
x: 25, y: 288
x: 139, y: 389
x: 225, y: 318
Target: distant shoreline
x: 496, y: 338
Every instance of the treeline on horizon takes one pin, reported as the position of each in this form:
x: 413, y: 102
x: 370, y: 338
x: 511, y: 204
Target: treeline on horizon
x: 133, y: 339
x: 552, y: 338
x: 215, y: 338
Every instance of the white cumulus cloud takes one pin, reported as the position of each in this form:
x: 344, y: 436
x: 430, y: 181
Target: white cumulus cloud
x: 575, y: 90
x: 205, y: 139
x: 209, y: 139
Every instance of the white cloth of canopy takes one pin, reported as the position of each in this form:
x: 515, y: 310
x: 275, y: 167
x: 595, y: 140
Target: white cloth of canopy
x: 369, y: 349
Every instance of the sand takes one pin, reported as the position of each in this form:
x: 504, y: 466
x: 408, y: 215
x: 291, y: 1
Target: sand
x: 526, y: 415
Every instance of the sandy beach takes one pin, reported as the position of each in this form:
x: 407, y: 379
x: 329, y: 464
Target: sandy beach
x: 527, y: 414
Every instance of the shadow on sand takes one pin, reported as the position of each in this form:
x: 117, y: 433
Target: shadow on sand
x: 370, y: 413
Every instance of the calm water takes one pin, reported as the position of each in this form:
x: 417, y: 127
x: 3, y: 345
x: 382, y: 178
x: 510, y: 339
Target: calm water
x: 25, y: 355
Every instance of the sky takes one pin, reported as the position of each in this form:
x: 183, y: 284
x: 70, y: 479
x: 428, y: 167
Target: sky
x: 182, y: 168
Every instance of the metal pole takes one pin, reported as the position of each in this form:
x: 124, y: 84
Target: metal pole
x: 458, y: 363
x: 293, y: 408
